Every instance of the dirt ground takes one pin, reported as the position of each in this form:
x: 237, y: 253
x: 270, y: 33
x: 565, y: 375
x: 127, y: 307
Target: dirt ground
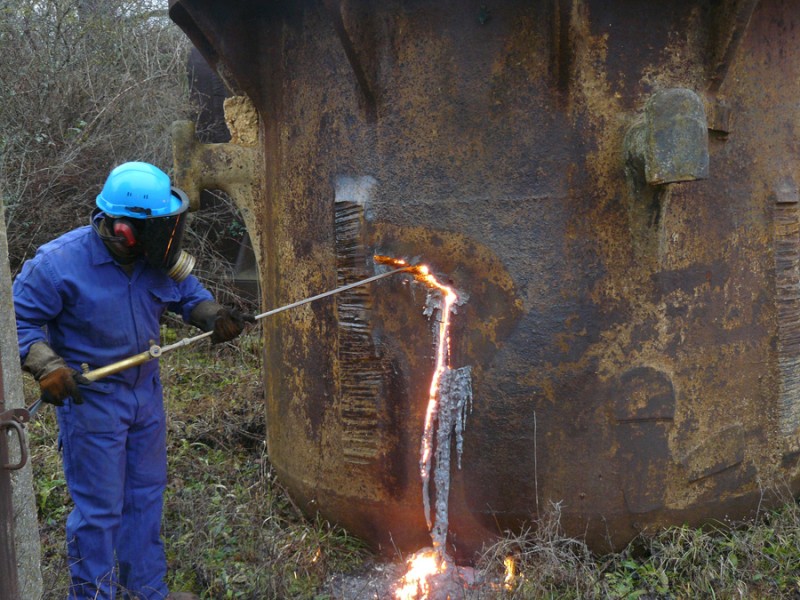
x: 375, y: 581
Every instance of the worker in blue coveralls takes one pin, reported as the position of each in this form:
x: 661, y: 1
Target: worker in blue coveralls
x: 94, y: 296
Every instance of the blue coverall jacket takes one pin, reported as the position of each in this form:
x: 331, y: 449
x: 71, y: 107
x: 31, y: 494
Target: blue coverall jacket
x: 74, y: 296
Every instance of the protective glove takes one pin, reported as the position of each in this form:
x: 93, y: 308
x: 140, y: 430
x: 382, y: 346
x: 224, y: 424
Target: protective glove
x: 56, y: 380
x: 229, y: 323
x: 60, y: 384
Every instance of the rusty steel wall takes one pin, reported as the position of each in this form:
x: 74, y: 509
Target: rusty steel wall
x: 613, y: 184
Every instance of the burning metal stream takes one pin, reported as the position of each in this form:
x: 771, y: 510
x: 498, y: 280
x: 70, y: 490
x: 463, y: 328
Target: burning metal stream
x: 449, y: 401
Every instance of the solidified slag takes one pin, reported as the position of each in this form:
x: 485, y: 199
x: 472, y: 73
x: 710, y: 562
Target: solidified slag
x: 455, y: 402
x: 449, y: 402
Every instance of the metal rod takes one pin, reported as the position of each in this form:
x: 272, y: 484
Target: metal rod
x: 344, y: 288
x: 125, y: 363
x: 157, y: 351
x: 34, y: 408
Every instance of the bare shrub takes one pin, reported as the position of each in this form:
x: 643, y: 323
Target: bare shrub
x: 84, y: 85
x: 546, y: 562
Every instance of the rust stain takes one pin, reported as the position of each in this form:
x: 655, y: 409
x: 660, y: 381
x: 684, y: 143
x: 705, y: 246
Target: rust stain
x: 621, y: 332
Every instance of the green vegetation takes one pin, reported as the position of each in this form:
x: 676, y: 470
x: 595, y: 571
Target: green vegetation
x: 231, y: 531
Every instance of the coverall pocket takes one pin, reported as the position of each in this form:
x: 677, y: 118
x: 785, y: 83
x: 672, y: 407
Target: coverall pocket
x: 100, y: 411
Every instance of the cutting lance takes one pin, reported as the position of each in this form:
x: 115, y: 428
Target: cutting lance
x: 156, y: 351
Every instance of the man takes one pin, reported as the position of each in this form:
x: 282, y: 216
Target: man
x: 94, y: 296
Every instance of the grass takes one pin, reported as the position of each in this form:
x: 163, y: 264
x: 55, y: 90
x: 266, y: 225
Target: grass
x: 757, y: 560
x: 231, y: 531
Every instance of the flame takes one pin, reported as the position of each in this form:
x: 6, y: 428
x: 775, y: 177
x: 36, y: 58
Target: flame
x: 415, y: 584
x: 442, y: 359
x: 511, y: 572
x: 422, y: 274
x: 425, y: 564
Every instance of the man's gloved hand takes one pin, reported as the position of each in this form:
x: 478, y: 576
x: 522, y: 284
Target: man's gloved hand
x: 229, y: 324
x: 60, y: 384
x: 56, y: 380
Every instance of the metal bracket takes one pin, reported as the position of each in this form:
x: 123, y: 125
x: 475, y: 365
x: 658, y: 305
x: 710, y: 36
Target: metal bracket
x: 13, y: 420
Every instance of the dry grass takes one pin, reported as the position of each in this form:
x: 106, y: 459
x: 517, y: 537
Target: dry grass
x: 754, y: 560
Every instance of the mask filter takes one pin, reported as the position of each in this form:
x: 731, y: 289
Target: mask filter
x: 184, y: 263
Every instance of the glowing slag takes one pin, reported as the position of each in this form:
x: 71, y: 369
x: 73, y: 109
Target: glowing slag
x: 449, y: 400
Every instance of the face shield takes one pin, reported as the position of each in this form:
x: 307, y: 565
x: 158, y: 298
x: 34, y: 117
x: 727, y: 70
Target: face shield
x: 158, y: 238
x: 161, y: 239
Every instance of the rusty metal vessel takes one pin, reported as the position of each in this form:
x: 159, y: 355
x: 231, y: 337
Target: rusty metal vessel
x: 615, y: 187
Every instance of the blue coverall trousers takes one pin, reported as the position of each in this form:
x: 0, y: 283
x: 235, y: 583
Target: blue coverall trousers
x: 116, y: 476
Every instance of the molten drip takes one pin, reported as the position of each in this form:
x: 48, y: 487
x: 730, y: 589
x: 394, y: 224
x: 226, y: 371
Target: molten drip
x: 511, y: 572
x: 427, y: 565
x: 422, y: 274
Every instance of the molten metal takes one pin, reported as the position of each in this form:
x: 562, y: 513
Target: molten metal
x: 422, y: 567
x: 511, y: 572
x: 426, y: 564
x: 422, y: 274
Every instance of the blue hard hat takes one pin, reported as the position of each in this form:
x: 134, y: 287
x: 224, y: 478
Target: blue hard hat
x: 139, y: 190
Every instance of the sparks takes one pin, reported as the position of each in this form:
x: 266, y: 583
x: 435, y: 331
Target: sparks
x: 422, y: 566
